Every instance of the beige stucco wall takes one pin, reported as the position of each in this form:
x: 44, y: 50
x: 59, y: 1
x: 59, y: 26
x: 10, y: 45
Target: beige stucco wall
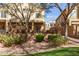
x: 8, y: 17
x: 74, y: 20
x: 73, y: 17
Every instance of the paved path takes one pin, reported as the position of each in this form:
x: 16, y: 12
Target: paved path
x: 72, y: 42
x: 73, y: 39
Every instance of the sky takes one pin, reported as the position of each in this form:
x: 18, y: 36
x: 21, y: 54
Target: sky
x: 52, y: 13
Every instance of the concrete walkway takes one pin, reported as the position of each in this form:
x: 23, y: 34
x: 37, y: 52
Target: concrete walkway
x: 73, y: 42
x: 73, y: 39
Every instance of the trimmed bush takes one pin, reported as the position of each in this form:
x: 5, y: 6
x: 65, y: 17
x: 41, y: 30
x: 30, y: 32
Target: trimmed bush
x: 39, y: 37
x: 9, y: 40
x: 56, y: 39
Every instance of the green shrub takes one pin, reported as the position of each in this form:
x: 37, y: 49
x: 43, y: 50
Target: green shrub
x: 56, y: 39
x: 18, y: 40
x: 8, y: 40
x: 39, y: 37
x: 50, y: 37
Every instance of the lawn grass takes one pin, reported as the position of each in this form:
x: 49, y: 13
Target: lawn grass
x: 72, y: 51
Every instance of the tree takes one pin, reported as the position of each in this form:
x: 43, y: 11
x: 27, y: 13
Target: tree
x: 21, y: 12
x: 65, y: 14
x: 18, y: 11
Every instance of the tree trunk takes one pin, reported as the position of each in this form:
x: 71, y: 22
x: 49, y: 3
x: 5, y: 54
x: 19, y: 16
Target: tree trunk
x: 66, y: 30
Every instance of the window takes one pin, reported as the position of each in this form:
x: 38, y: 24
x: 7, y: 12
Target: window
x: 3, y: 14
x: 37, y: 29
x: 37, y: 15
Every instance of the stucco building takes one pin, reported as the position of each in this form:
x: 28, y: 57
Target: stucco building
x: 73, y: 23
x: 36, y: 22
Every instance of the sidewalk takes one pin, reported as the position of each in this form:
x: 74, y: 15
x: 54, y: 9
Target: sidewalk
x: 73, y: 39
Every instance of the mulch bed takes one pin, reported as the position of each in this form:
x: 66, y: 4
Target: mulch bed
x: 25, y: 48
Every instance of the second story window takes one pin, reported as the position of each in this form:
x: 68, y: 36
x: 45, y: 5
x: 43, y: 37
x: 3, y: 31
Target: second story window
x: 38, y: 15
x: 2, y: 14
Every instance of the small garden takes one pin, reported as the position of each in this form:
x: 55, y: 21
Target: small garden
x: 19, y: 45
x: 53, y: 39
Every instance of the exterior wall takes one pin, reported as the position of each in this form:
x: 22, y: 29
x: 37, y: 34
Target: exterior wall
x: 74, y: 22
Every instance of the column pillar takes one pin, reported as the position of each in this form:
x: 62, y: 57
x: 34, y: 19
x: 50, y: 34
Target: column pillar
x: 6, y: 25
x: 32, y: 26
x: 42, y: 27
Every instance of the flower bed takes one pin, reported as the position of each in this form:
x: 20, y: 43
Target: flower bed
x: 9, y: 40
